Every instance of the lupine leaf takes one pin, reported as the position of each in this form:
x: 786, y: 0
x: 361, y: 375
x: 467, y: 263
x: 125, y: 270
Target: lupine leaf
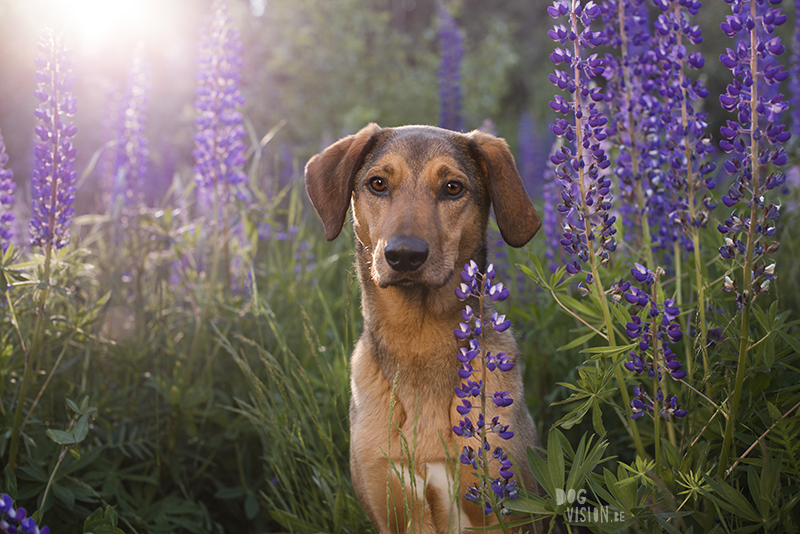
x: 577, y: 341
x: 540, y: 471
x: 727, y: 497
x: 555, y: 459
x: 60, y: 437
x: 10, y: 482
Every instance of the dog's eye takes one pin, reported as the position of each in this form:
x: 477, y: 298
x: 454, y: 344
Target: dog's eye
x: 453, y: 189
x: 378, y: 185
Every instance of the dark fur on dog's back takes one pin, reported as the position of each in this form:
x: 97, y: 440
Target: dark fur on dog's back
x: 399, y: 182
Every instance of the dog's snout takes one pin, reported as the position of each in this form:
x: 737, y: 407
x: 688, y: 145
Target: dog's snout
x: 405, y: 253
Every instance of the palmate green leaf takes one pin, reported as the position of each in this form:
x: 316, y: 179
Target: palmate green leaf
x: 577, y: 342
x: 102, y: 522
x: 586, y: 311
x: 537, y: 278
x: 61, y: 437
x: 540, y: 471
x: 64, y: 494
x: 754, y: 485
x: 556, y: 279
x: 584, y: 461
x: 251, y: 507
x: 774, y: 412
x: 793, y: 342
x: 769, y: 351
x: 529, y: 504
x: 81, y: 428
x: 72, y: 406
x: 575, y: 416
x: 758, y: 313
x: 555, y: 459
x: 728, y: 498
x: 621, y: 313
x: 597, y: 419
x: 10, y: 482
x: 536, y: 265
x: 609, y: 351
x: 672, y: 454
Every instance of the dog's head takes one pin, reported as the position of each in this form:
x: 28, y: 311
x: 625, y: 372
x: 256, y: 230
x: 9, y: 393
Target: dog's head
x: 421, y: 197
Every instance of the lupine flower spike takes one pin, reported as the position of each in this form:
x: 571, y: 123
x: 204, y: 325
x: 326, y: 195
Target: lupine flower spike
x: 488, y: 493
x: 794, y: 80
x: 53, y: 188
x: 586, y: 189
x: 582, y: 165
x: 452, y: 52
x: 636, y: 121
x: 754, y: 142
x: 219, y: 146
x: 7, y: 187
x: 54, y: 176
x: 655, y: 328
x: 130, y: 162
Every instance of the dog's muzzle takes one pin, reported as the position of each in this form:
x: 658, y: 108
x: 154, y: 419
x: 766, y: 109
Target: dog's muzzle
x: 405, y: 253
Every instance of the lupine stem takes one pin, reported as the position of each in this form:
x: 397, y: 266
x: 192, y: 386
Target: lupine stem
x: 601, y: 297
x: 747, y: 295
x: 37, y: 332
x: 694, y: 230
x: 484, y: 437
x: 647, y: 240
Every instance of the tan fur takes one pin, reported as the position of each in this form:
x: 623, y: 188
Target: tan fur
x: 409, y: 316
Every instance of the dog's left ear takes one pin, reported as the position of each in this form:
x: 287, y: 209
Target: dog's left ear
x: 329, y: 178
x: 516, y: 217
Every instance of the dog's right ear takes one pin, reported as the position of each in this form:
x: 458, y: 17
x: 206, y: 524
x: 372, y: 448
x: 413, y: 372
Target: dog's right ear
x: 329, y: 177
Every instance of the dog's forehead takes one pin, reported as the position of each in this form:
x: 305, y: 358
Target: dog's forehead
x: 418, y: 145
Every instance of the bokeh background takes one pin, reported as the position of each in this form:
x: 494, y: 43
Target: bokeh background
x: 326, y: 68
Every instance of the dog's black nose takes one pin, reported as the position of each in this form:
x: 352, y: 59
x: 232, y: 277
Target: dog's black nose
x: 405, y: 253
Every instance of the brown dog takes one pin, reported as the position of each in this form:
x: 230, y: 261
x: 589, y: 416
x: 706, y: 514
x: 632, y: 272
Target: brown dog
x: 421, y: 199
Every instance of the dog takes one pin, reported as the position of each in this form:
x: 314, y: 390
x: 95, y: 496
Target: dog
x: 421, y: 199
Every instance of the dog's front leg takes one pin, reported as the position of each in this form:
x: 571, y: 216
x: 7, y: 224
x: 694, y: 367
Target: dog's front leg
x: 397, y: 501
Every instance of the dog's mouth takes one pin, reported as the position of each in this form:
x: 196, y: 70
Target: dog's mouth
x: 416, y: 282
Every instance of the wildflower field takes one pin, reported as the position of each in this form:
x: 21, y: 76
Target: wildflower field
x: 175, y: 329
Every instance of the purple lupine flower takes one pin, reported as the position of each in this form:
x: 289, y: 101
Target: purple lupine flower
x: 636, y: 122
x: 553, y: 220
x: 16, y: 519
x: 7, y: 187
x: 655, y: 332
x: 451, y: 44
x: 482, y: 286
x: 756, y: 130
x: 219, y: 147
x: 53, y: 190
x: 794, y: 71
x: 586, y: 187
x: 686, y: 142
x: 642, y: 403
x: 129, y: 167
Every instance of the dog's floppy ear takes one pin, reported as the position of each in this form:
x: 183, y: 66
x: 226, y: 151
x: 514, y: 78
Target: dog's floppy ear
x: 329, y: 178
x: 513, y: 209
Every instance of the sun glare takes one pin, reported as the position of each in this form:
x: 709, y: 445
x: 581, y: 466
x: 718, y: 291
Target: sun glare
x: 98, y: 21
